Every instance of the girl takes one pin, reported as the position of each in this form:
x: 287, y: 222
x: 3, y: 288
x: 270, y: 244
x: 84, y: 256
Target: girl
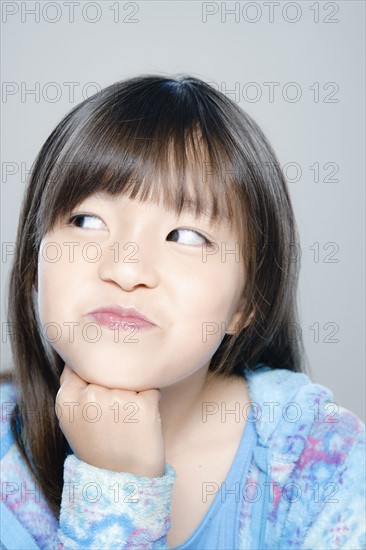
x: 158, y: 397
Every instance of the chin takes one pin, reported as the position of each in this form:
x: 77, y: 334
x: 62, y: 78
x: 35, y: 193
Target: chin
x: 113, y: 380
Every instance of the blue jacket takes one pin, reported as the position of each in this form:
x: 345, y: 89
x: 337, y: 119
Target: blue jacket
x: 308, y: 468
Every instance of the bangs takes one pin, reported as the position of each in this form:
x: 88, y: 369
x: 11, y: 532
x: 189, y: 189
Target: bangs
x: 159, y: 146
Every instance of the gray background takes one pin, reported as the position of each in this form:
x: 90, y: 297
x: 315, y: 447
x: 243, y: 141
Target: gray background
x: 316, y: 115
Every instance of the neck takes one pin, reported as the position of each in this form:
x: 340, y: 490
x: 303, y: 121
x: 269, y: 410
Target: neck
x: 181, y: 407
x: 190, y: 410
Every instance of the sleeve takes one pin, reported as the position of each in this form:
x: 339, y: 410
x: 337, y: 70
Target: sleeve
x: 341, y: 522
x: 105, y: 509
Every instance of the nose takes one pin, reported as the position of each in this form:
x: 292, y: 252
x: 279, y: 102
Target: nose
x: 129, y: 265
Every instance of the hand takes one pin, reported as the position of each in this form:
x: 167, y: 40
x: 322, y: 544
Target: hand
x: 103, y: 433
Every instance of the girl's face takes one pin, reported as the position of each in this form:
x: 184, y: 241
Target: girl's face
x: 123, y: 252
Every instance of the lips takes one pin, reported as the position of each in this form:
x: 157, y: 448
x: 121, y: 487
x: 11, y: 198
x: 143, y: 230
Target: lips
x: 115, y: 316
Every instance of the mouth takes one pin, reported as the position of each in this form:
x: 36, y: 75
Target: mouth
x: 122, y: 318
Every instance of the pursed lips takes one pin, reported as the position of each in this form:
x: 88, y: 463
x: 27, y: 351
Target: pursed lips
x: 116, y: 316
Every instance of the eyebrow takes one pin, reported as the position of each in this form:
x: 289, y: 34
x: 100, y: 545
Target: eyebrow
x: 206, y: 211
x: 189, y: 207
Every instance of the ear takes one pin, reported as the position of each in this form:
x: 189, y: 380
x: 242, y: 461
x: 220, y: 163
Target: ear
x: 234, y: 323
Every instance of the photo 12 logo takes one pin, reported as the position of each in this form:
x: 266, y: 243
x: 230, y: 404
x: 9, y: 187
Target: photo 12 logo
x: 70, y: 12
x: 269, y: 12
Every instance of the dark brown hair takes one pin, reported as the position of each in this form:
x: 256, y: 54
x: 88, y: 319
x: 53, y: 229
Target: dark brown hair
x: 142, y: 137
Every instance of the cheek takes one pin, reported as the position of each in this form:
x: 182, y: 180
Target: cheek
x: 57, y: 294
x: 55, y: 288
x: 49, y: 300
x: 209, y: 294
x: 203, y: 310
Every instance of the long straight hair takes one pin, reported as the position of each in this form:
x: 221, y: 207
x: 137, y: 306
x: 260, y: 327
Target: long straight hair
x: 175, y: 141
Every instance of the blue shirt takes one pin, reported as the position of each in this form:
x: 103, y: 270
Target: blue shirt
x: 219, y: 527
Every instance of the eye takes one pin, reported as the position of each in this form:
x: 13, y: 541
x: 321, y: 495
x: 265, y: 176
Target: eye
x: 78, y: 221
x: 193, y: 238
